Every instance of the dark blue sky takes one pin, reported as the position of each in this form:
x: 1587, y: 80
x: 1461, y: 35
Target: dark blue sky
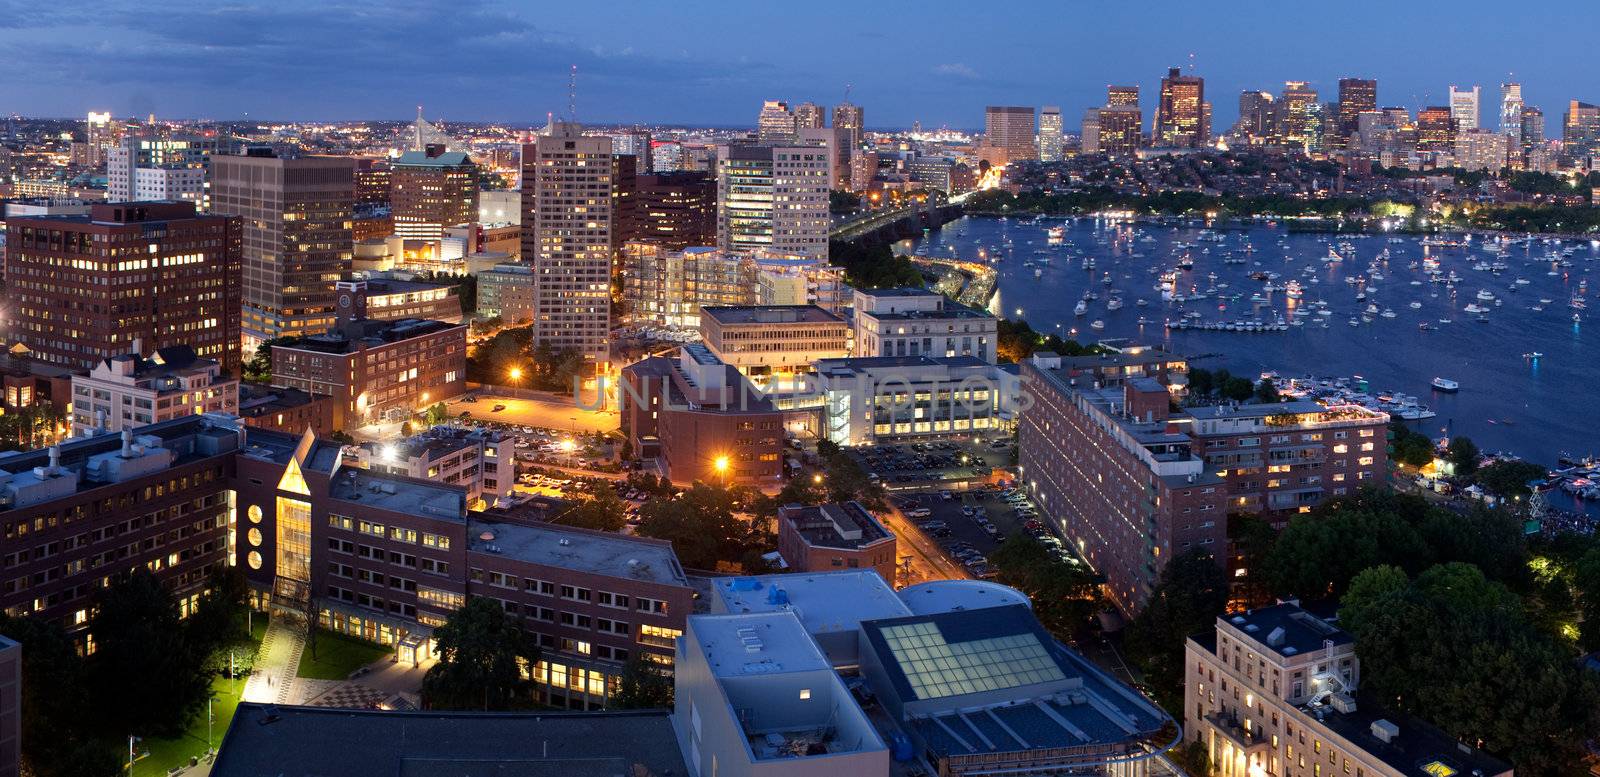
x: 699, y: 62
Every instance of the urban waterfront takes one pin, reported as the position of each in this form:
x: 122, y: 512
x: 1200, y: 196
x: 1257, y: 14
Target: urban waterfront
x: 1509, y: 400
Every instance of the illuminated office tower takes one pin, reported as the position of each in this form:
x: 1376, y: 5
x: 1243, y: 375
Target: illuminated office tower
x: 1436, y: 129
x: 1089, y: 133
x: 1257, y: 118
x: 1050, y: 133
x: 1181, y: 113
x: 1580, y: 131
x: 297, y: 214
x: 431, y: 190
x: 1356, y: 96
x: 776, y: 123
x: 1122, y: 95
x: 808, y: 115
x: 567, y: 181
x: 773, y: 197
x: 99, y: 135
x: 1010, y: 127
x: 848, y: 117
x: 1511, y: 112
x: 1120, y: 130
x: 1301, y: 124
x: 1464, y: 108
x: 1532, y: 127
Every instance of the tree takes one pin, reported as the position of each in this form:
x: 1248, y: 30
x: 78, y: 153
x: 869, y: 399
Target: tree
x: 218, y: 616
x: 259, y: 368
x: 641, y: 686
x: 1266, y: 393
x: 1252, y: 537
x: 1410, y: 447
x: 1586, y: 581
x: 145, y: 660
x: 1318, y: 554
x: 1201, y: 382
x: 603, y: 511
x: 59, y: 737
x: 1463, y: 453
x: 1371, y: 592
x: 1064, y: 596
x: 1508, y: 479
x: 1191, y: 593
x: 701, y: 526
x: 481, y: 654
x: 1238, y: 389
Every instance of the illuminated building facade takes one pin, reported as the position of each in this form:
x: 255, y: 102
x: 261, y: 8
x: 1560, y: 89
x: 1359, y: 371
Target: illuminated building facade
x: 1356, y: 96
x: 773, y: 197
x: 1010, y: 128
x: 430, y: 190
x: 567, y: 191
x: 1182, y: 119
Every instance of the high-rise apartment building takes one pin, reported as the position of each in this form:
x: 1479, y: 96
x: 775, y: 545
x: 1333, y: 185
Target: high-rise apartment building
x: 773, y: 197
x: 1580, y: 131
x: 430, y: 190
x: 1464, y: 107
x: 567, y: 182
x: 809, y: 115
x: 776, y: 123
x: 1356, y: 96
x: 1511, y: 112
x: 150, y: 170
x: 848, y: 116
x: 1532, y: 127
x: 296, y: 214
x: 1181, y: 120
x: 1300, y: 115
x: 1482, y: 150
x: 1050, y: 133
x: 88, y: 287
x: 1010, y: 128
x: 1120, y: 130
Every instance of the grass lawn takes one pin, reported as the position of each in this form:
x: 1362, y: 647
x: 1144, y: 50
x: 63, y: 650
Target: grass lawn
x: 167, y: 753
x: 338, y: 656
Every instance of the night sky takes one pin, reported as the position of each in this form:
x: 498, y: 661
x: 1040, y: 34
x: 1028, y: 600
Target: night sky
x: 711, y: 63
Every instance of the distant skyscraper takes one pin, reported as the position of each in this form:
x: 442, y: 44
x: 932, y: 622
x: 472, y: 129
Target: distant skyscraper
x: 1580, y: 132
x: 1010, y: 127
x: 1356, y: 96
x: 146, y: 169
x: 430, y: 190
x: 297, y: 240
x: 567, y: 182
x: 1532, y: 127
x: 773, y: 197
x: 1436, y: 129
x: 1089, y: 133
x: 776, y: 122
x: 1464, y: 108
x: 1181, y: 114
x: 1511, y: 112
x: 99, y: 134
x: 635, y: 143
x: 848, y: 117
x: 808, y: 115
x: 1121, y: 130
x: 1122, y: 95
x: 1301, y: 119
x: 1050, y: 133
x: 1256, y: 117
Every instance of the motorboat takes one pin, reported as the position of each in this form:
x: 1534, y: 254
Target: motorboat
x: 1446, y: 385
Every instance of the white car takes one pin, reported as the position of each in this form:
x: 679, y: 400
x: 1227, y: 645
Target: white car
x: 919, y: 512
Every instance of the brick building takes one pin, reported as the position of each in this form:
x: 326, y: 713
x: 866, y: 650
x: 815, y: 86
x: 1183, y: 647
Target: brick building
x: 283, y: 409
x: 701, y: 418
x: 430, y: 190
x: 823, y: 538
x: 85, y: 288
x: 131, y: 390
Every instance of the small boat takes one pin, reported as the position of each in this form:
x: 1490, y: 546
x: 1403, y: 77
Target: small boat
x: 1082, y: 308
x: 1097, y: 324
x: 1446, y: 385
x: 1532, y: 355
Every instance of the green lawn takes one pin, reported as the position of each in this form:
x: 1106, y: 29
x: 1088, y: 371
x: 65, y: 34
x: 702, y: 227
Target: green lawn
x: 338, y: 656
x: 167, y: 753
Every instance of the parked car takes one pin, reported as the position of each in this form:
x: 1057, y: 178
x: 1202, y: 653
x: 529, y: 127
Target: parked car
x: 918, y: 512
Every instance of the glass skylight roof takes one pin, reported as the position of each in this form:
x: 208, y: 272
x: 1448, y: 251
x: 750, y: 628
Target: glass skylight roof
x: 936, y: 668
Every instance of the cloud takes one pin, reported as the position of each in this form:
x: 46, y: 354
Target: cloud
x: 956, y: 70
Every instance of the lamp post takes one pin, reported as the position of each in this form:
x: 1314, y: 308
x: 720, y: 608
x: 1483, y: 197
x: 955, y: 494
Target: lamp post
x: 720, y: 464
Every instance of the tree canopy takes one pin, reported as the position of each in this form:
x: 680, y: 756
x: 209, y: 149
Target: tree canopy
x: 1191, y: 593
x: 481, y: 654
x: 1065, y: 596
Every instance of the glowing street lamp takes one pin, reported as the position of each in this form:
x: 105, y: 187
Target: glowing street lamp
x: 817, y: 478
x: 515, y: 374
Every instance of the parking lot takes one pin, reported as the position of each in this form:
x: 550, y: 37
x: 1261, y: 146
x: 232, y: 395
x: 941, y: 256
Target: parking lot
x: 910, y: 466
x: 969, y: 525
x: 538, y: 413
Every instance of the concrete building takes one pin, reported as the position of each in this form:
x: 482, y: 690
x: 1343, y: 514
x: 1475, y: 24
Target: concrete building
x: 877, y: 399
x: 1049, y: 134
x: 830, y: 537
x: 1356, y: 96
x: 567, y: 182
x: 664, y: 287
x: 674, y: 210
x: 376, y: 371
x: 1273, y: 691
x: 500, y: 207
x: 773, y: 345
x: 800, y: 279
x: 849, y: 117
x: 85, y: 288
x: 153, y: 170
x: 913, y: 322
x: 809, y: 115
x: 430, y: 190
x: 1580, y: 130
x: 700, y: 419
x: 1089, y: 132
x: 296, y: 214
x: 1436, y: 130
x: 1182, y: 113
x: 482, y: 461
x: 373, y: 181
x: 506, y: 292
x: 776, y: 123
x: 1465, y: 108
x: 394, y: 298
x: 1010, y: 128
x: 773, y: 197
x: 133, y: 390
x: 1119, y: 130
x: 1483, y: 150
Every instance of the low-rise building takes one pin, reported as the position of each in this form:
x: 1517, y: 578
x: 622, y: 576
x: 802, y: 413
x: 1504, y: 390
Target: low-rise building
x: 917, y: 322
x: 1273, y: 691
x: 822, y: 538
x: 480, y: 460
x: 700, y: 418
x: 129, y: 391
x: 799, y: 279
x: 773, y: 345
x: 666, y: 287
x: 391, y: 299
x: 877, y: 399
x: 376, y: 371
x: 29, y: 383
x: 284, y: 409
x: 506, y: 292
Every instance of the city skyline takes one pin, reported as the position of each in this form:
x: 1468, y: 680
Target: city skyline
x: 462, y: 62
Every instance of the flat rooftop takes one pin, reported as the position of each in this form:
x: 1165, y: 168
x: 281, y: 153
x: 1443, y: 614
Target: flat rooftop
x: 1256, y: 410
x: 936, y: 596
x: 1302, y: 632
x: 399, y: 494
x: 824, y: 601
x: 760, y: 643
x: 821, y: 525
x: 1417, y: 748
x: 769, y: 314
x: 855, y: 364
x: 600, y: 553
x: 371, y: 332
x: 282, y: 741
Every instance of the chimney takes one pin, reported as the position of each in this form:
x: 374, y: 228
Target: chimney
x: 127, y: 443
x: 55, y: 459
x: 136, y: 348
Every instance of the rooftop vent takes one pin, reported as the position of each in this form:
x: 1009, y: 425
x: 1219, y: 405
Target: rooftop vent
x: 1385, y: 731
x: 1275, y: 637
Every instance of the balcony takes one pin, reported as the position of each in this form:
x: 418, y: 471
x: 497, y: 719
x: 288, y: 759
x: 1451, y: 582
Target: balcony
x: 1228, y: 727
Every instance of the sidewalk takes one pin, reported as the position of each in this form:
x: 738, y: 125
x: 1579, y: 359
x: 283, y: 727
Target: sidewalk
x: 276, y: 665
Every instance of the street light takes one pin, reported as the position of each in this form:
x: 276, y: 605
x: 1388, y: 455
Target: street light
x: 817, y: 478
x: 515, y: 374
